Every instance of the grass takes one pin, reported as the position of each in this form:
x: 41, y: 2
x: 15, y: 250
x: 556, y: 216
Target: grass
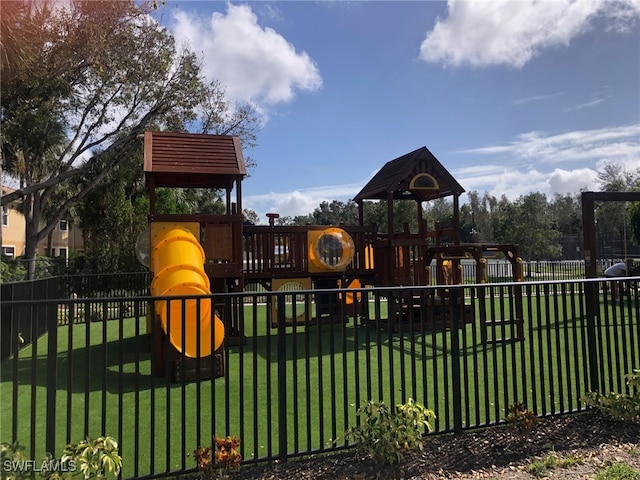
x: 618, y: 471
x: 550, y: 461
x: 105, y: 384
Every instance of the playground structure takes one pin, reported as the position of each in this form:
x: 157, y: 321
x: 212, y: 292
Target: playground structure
x: 193, y: 255
x: 588, y: 203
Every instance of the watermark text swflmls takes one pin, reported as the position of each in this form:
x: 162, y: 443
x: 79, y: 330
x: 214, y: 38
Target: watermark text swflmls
x: 46, y: 465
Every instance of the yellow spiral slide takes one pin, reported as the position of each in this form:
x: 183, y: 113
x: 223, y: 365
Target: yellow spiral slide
x: 177, y: 261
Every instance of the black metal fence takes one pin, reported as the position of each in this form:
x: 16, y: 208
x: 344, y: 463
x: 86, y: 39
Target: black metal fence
x: 20, y: 326
x: 295, y: 367
x: 106, y: 285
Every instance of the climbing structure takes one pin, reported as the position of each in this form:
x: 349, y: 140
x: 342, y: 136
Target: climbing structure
x: 405, y: 258
x: 196, y: 255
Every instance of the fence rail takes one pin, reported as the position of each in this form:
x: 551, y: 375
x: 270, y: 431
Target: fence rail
x: 290, y: 377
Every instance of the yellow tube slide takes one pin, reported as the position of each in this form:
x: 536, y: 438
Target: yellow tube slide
x: 177, y: 260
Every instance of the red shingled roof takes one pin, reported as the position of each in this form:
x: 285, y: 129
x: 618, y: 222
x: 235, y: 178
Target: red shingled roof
x: 193, y: 160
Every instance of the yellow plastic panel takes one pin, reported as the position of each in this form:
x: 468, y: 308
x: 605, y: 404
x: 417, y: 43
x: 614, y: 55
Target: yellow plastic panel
x: 330, y: 250
x: 303, y: 304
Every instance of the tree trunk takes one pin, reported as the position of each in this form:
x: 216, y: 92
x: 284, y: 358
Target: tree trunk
x: 32, y: 214
x: 49, y: 251
x: 1, y: 195
x: 30, y: 251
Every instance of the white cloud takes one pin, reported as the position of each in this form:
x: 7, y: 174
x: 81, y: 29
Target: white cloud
x: 572, y: 181
x: 536, y: 98
x: 509, y: 32
x: 254, y: 63
x: 513, y: 183
x: 615, y: 144
x: 299, y: 202
x: 514, y: 169
x: 517, y: 168
x: 589, y: 104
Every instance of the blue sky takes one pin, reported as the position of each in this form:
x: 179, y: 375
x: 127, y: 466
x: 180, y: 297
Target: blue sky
x: 511, y: 96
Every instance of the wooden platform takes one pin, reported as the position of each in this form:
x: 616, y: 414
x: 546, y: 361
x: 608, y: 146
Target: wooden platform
x: 427, y: 313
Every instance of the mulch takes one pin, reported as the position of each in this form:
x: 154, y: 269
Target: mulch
x: 447, y: 456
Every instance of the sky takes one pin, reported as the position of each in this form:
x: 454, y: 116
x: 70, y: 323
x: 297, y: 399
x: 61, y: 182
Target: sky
x: 512, y: 97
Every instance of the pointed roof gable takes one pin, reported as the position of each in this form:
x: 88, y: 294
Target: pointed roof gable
x: 395, y: 178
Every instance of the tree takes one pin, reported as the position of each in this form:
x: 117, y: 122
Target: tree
x: 633, y: 210
x: 567, y: 213
x: 615, y: 222
x: 217, y: 117
x: 335, y: 213
x: 467, y: 228
x: 527, y: 222
x: 480, y: 217
x: 506, y: 221
x: 250, y: 216
x: 112, y: 216
x: 404, y: 212
x: 79, y: 85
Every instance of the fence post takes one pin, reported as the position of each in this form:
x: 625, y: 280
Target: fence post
x: 456, y: 378
x: 591, y: 293
x: 282, y: 378
x: 52, y: 377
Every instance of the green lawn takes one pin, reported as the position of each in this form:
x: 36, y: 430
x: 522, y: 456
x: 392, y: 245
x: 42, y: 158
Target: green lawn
x: 330, y: 369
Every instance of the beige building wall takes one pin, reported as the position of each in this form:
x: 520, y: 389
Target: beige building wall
x: 64, y: 238
x: 13, y: 232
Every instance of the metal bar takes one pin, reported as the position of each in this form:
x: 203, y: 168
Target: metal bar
x: 294, y: 371
x: 72, y: 308
x: 566, y: 290
x: 87, y: 364
x: 254, y: 361
x: 332, y: 370
x: 169, y: 372
x: 102, y: 313
x: 559, y: 352
x: 282, y: 381
x: 456, y: 379
x: 52, y: 380
x: 120, y: 374
x: 530, y: 293
x: 307, y: 372
x: 136, y: 393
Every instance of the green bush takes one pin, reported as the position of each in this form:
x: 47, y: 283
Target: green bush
x: 15, y: 269
x: 95, y: 457
x: 12, y: 271
x: 91, y: 459
x: 387, y: 436
x: 12, y: 454
x: 619, y: 406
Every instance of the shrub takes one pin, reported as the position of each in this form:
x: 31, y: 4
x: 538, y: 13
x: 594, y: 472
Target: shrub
x: 523, y: 421
x: 219, y: 459
x: 12, y: 454
x: 387, y: 436
x: 619, y: 406
x: 94, y: 458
